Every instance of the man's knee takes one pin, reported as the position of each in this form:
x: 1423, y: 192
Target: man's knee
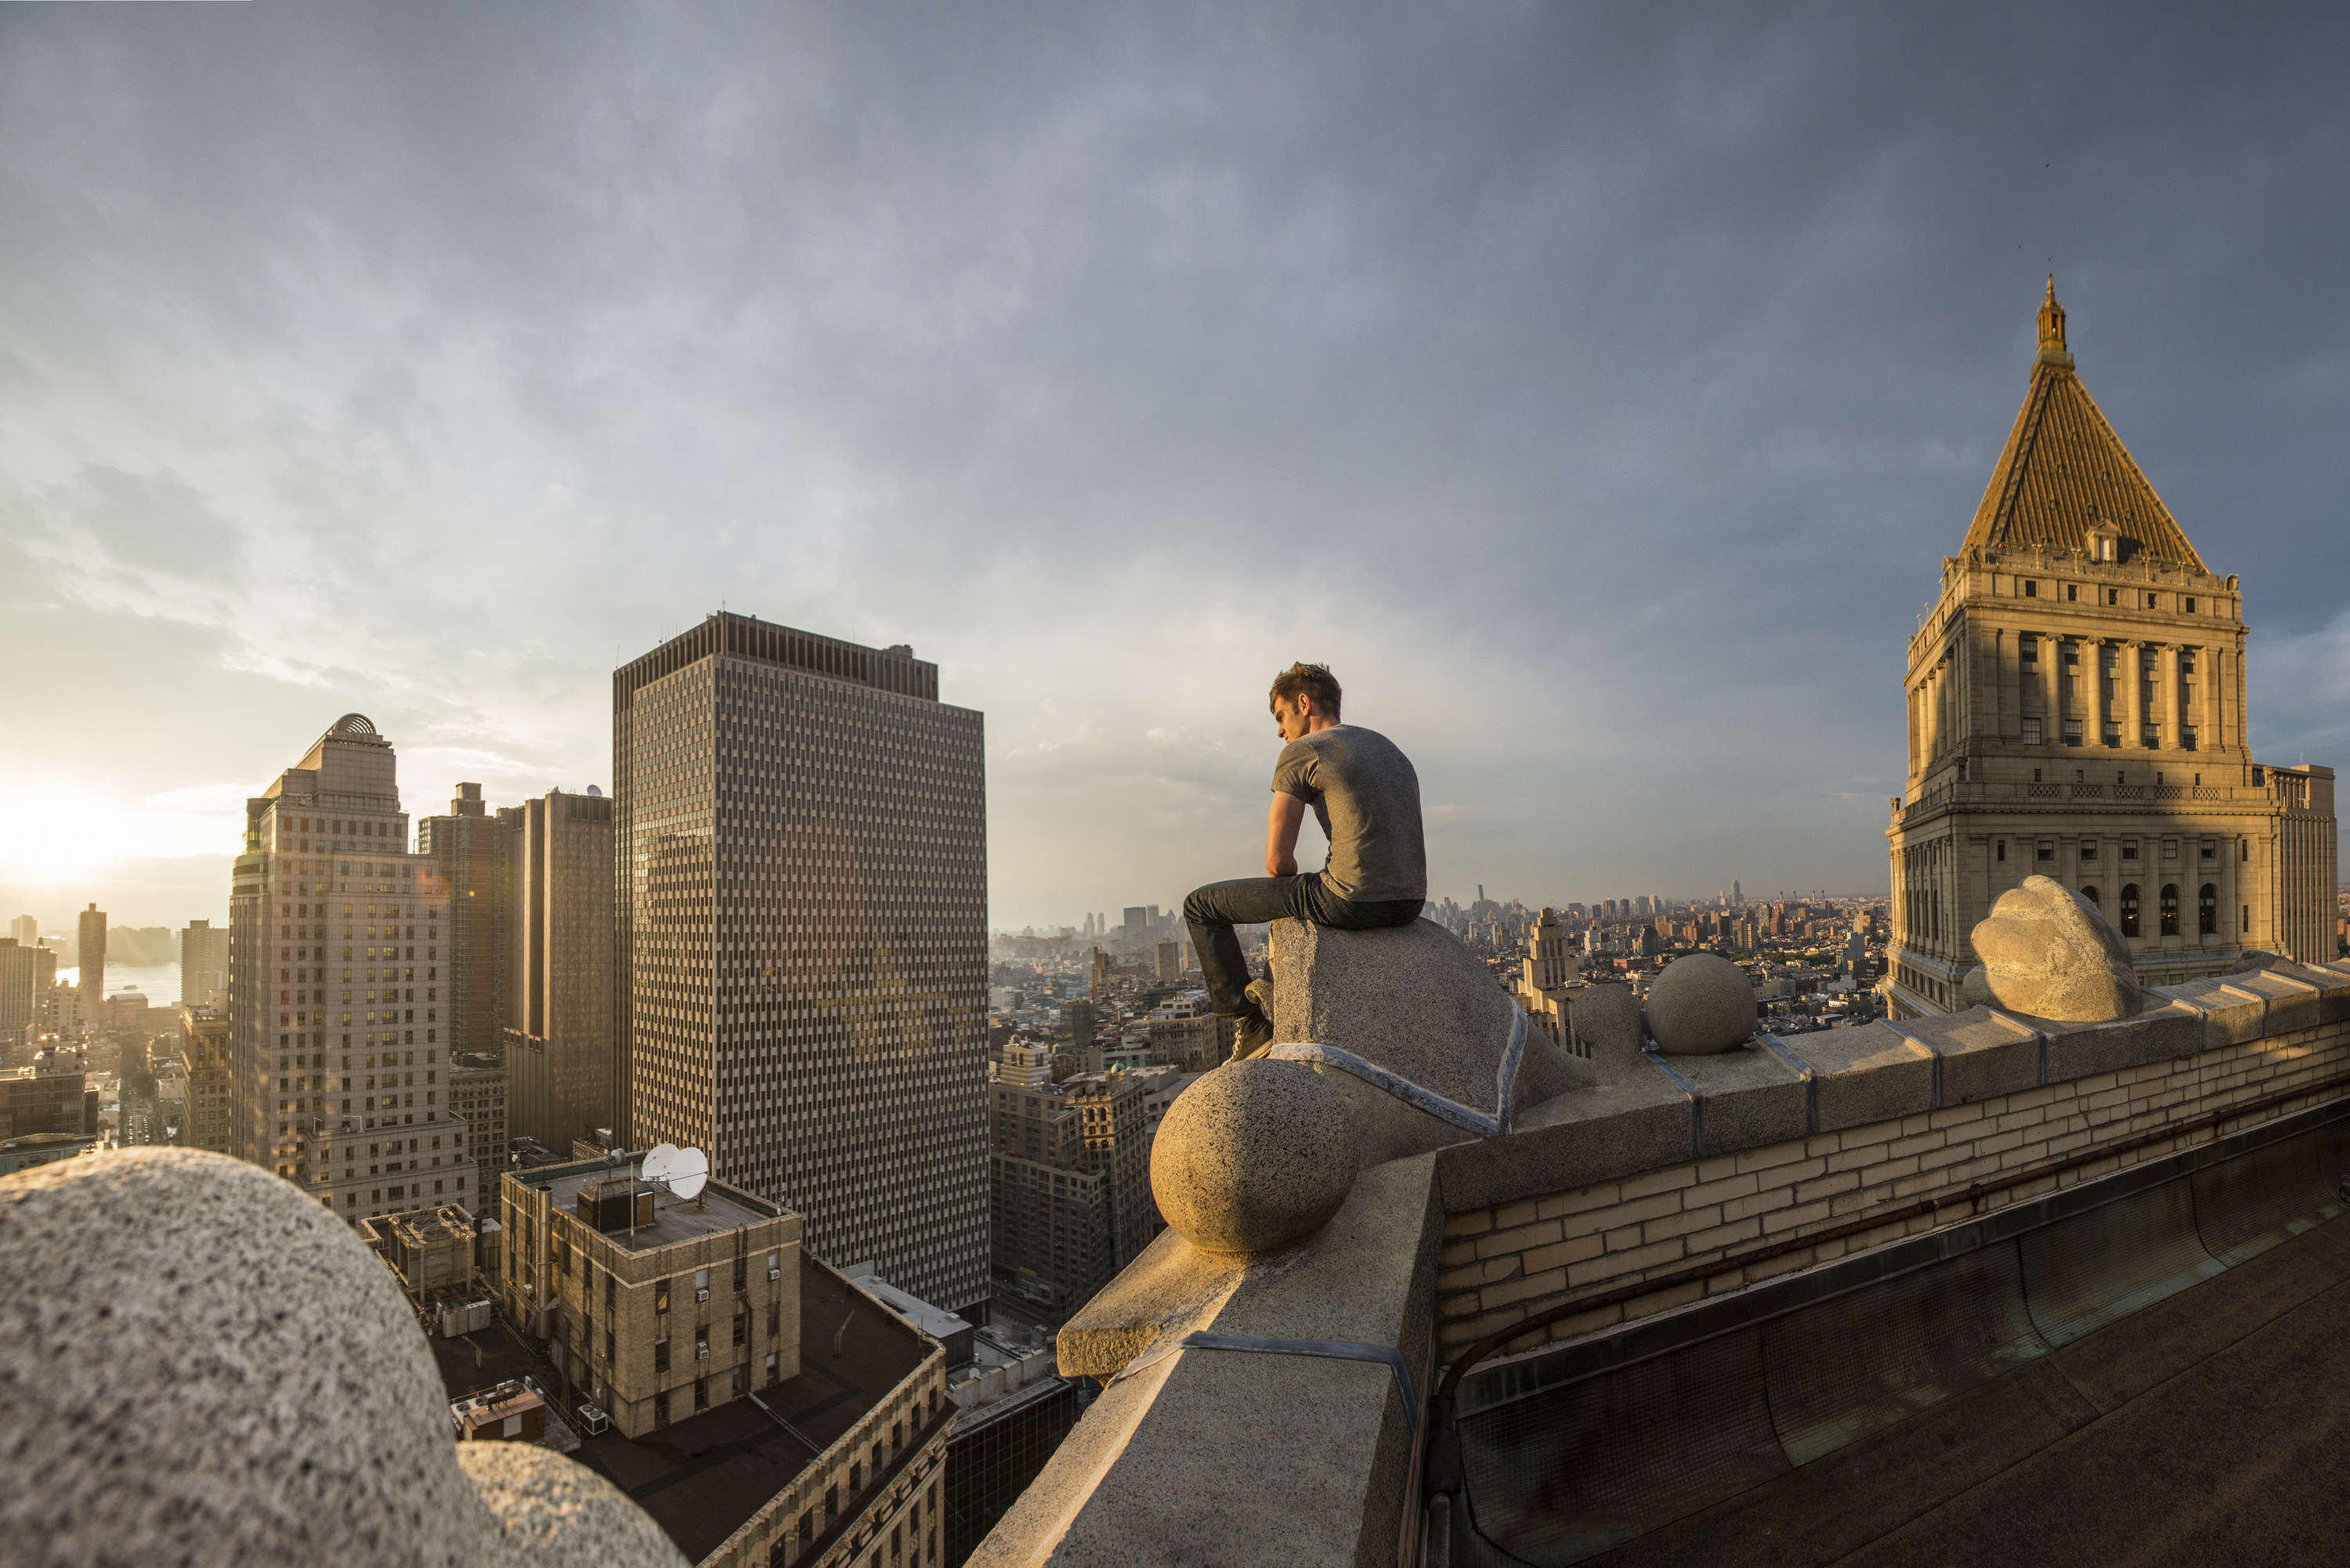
x: 1195, y: 907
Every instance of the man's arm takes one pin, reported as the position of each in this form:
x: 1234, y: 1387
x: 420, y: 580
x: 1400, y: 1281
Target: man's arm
x: 1281, y: 826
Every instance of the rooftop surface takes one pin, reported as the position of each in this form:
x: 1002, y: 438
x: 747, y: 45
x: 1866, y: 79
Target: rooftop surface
x: 718, y: 1209
x: 2207, y: 1429
x: 700, y: 1479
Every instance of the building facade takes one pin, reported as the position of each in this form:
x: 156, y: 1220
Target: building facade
x: 462, y: 847
x: 2077, y: 710
x: 90, y: 956
x: 338, y: 1055
x: 654, y: 1307
x: 22, y: 982
x: 203, y: 965
x: 555, y: 880
x: 477, y: 1093
x: 801, y: 963
x: 204, y: 1037
x: 1068, y: 1180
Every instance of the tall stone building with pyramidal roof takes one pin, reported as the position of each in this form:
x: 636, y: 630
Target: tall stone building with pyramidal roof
x: 2077, y: 710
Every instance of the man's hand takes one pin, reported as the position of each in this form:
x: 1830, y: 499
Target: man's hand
x: 1281, y: 826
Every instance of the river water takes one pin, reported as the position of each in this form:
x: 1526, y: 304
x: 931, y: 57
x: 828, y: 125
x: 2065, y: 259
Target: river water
x: 159, y: 982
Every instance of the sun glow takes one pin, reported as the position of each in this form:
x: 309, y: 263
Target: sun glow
x: 56, y: 833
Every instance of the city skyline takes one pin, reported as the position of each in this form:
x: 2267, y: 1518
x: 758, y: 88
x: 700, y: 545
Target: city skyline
x: 1600, y: 435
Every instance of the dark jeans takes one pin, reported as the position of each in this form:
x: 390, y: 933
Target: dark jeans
x: 1214, y: 911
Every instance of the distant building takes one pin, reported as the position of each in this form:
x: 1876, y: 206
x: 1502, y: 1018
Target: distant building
x: 764, y: 1409
x: 655, y: 1307
x: 51, y: 1095
x: 1167, y: 961
x: 2077, y: 710
x: 337, y: 1050
x: 43, y: 1149
x: 463, y: 849
x: 203, y: 965
x: 1184, y: 1033
x: 23, y: 981
x: 478, y: 1094
x: 204, y: 1051
x: 27, y: 930
x: 91, y: 951
x: 1070, y: 1199
x: 555, y: 876
x: 801, y: 936
x: 1545, y: 977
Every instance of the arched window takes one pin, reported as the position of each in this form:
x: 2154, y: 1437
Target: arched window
x: 2091, y: 894
x: 2170, y: 908
x: 2207, y: 909
x: 2129, y: 909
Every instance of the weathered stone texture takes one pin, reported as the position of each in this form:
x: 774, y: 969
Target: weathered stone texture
x: 1700, y: 1004
x: 1416, y: 1002
x: 1254, y: 1156
x: 2048, y: 952
x: 198, y: 1365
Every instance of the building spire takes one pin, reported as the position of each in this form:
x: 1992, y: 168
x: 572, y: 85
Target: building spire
x: 2052, y: 350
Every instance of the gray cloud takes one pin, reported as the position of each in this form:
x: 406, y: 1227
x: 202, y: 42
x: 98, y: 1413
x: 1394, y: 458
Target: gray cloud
x: 1598, y: 392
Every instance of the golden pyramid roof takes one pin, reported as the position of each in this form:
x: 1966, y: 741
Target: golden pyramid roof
x: 2063, y: 470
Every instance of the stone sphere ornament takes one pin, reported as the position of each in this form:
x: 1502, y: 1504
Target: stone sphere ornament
x: 1253, y: 1156
x: 1700, y: 1005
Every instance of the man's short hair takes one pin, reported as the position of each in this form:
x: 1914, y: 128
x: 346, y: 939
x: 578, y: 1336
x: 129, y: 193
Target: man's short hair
x: 1314, y: 681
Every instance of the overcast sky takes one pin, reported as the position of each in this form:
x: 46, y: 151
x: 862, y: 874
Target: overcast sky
x: 1598, y: 392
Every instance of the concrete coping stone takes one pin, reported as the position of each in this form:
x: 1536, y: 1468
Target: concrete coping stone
x: 2231, y: 1015
x: 2156, y: 1034
x: 1741, y: 1099
x: 1979, y: 1054
x: 1634, y: 1118
x: 1872, y: 1074
x: 2294, y: 1002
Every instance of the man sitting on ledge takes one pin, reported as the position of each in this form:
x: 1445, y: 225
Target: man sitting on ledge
x: 1366, y: 798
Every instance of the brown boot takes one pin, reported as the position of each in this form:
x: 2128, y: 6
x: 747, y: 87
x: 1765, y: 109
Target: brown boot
x: 1252, y: 1035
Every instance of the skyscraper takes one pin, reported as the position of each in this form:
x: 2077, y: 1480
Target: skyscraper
x: 800, y: 833
x: 2077, y: 710
x: 554, y: 879
x: 27, y: 930
x: 204, y: 964
x: 462, y: 847
x: 337, y: 1049
x: 91, y: 956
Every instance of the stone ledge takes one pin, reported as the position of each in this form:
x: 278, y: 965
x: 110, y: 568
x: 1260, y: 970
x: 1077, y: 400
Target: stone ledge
x: 1640, y: 1115
x: 1873, y: 1073
x: 1288, y: 1458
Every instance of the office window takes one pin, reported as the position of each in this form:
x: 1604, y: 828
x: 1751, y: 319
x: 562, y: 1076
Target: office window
x: 2088, y: 849
x: 2046, y: 849
x: 2072, y: 732
x: 2207, y: 909
x: 2031, y: 736
x: 2169, y: 908
x: 2001, y: 849
x: 2030, y: 590
x: 2129, y: 909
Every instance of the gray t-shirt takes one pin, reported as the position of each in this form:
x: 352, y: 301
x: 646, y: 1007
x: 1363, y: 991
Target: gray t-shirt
x: 1366, y: 798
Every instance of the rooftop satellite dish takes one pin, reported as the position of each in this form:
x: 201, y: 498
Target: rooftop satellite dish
x: 690, y: 1173
x: 660, y: 1162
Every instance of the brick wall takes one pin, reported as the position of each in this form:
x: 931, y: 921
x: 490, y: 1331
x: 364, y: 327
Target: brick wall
x: 1502, y: 1262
